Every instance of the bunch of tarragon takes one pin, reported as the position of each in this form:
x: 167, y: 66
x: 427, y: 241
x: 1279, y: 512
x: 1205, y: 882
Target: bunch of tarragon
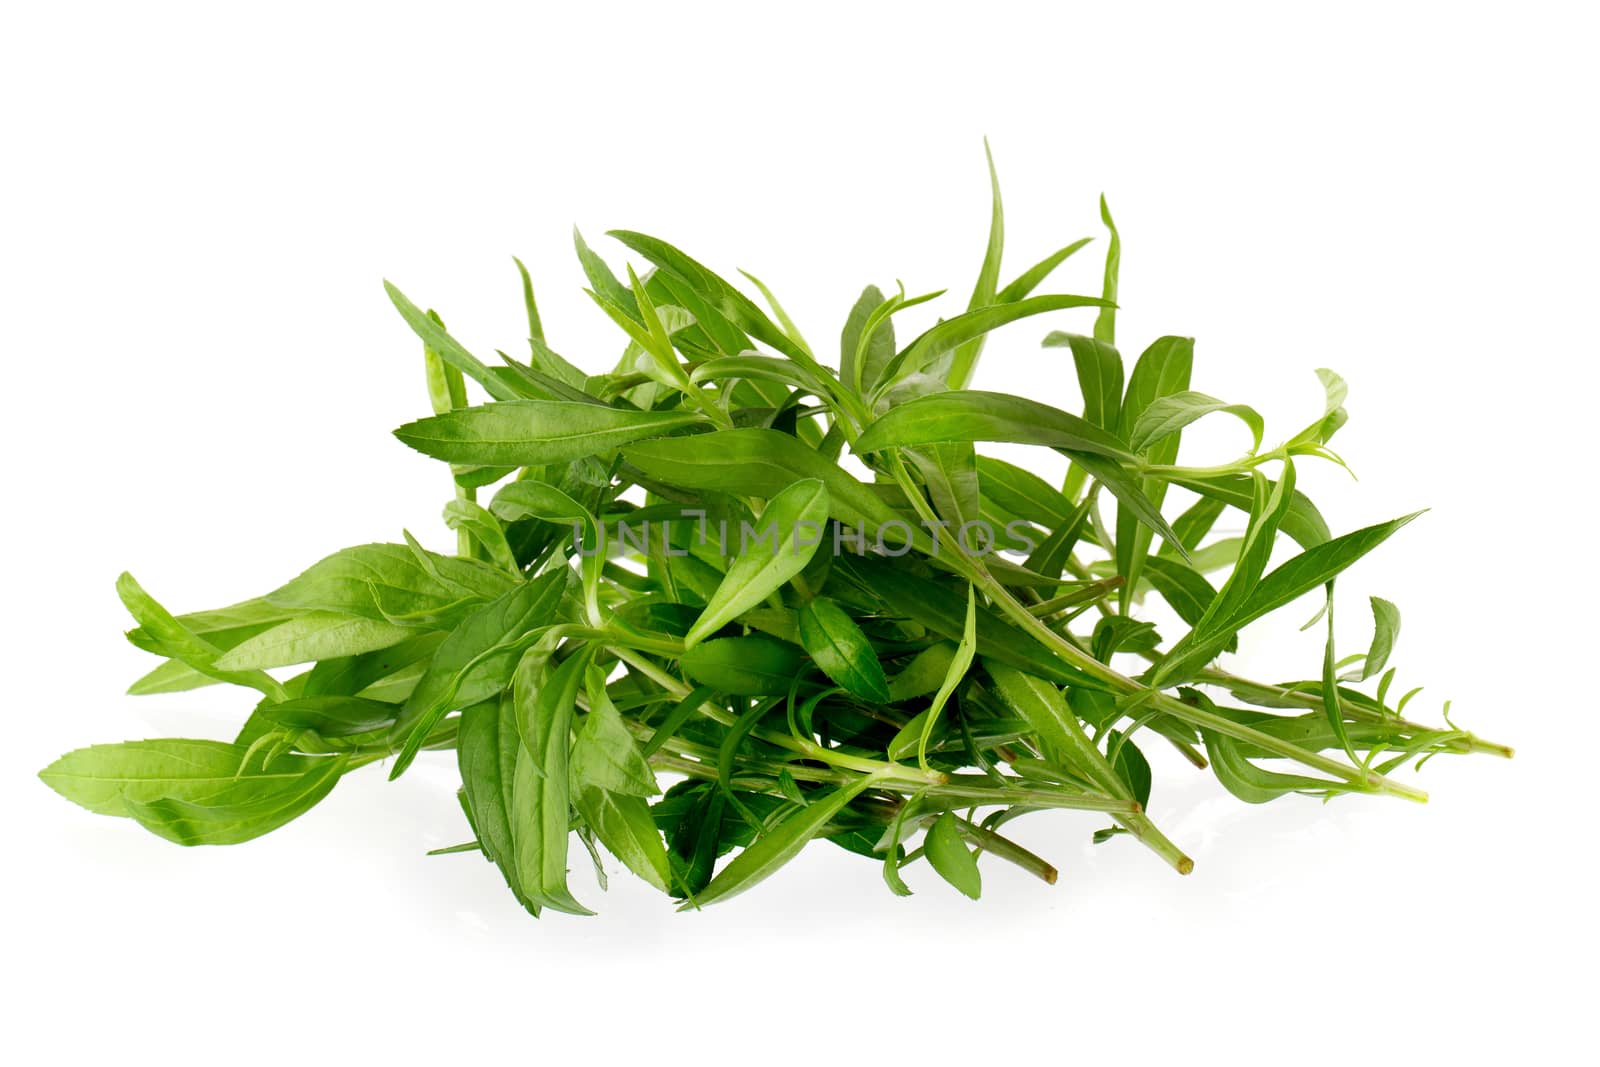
x: 730, y: 598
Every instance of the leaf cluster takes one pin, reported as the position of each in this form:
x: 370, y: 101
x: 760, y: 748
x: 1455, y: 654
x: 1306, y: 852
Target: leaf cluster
x: 611, y: 659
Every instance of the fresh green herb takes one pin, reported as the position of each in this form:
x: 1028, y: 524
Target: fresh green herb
x: 678, y: 625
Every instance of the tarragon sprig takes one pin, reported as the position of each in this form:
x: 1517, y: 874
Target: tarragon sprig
x: 673, y: 568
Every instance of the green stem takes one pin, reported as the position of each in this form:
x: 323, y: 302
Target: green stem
x: 1238, y: 466
x: 979, y: 790
x: 999, y: 846
x: 1365, y: 780
x: 1137, y: 824
x: 1468, y: 743
x: 1003, y: 847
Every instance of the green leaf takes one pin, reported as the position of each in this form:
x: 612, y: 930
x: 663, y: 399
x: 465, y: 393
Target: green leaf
x: 1163, y: 369
x: 1386, y: 630
x: 1105, y: 325
x: 657, y: 336
x: 393, y: 583
x: 529, y: 498
x: 1250, y: 783
x: 710, y: 330
x: 316, y: 635
x: 894, y: 855
x: 1130, y: 765
x: 447, y: 389
x: 1099, y: 369
x: 1218, y: 626
x: 744, y: 666
x: 949, y: 856
x: 1060, y: 735
x: 920, y: 729
x: 950, y: 334
x: 530, y: 306
x: 605, y: 755
x: 625, y: 827
x: 1023, y: 493
x: 1195, y: 523
x: 950, y: 473
x: 356, y: 675
x: 438, y: 340
x: 524, y: 433
x: 681, y: 712
x: 541, y: 791
x: 1330, y: 686
x: 1187, y: 591
x: 785, y: 538
x: 535, y: 384
x: 227, y: 627
x: 166, y: 636
x: 844, y: 653
x: 1169, y: 414
x: 762, y: 368
x: 1302, y: 521
x: 330, y: 717
x: 923, y: 674
x: 761, y: 463
x: 790, y: 788
x: 973, y: 415
x: 717, y: 293
x: 942, y: 610
x: 789, y: 328
x: 1272, y: 502
x: 488, y: 750
x: 778, y: 845
x: 966, y: 354
x: 1290, y: 581
x: 477, y: 660
x: 483, y: 528
x: 602, y: 279
x: 193, y: 792
x: 1333, y: 414
x: 1298, y: 576
x: 862, y: 369
x: 1034, y: 276
x: 871, y: 363
x: 171, y: 676
x: 1119, y: 633
x: 1130, y: 493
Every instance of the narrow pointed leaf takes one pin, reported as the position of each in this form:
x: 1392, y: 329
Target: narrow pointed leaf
x: 973, y: 415
x: 785, y: 538
x: 949, y: 856
x: 1105, y: 325
x: 1386, y: 630
x: 541, y: 789
x: 1169, y: 414
x: 533, y: 432
x: 832, y: 638
x: 778, y: 845
x: 965, y: 357
x: 744, y: 666
x: 1099, y: 368
x: 959, y: 329
x: 1030, y: 279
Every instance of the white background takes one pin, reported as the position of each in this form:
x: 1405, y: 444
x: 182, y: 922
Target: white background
x: 202, y: 372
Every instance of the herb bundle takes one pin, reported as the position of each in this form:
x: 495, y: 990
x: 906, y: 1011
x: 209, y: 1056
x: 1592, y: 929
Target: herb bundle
x: 670, y: 569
